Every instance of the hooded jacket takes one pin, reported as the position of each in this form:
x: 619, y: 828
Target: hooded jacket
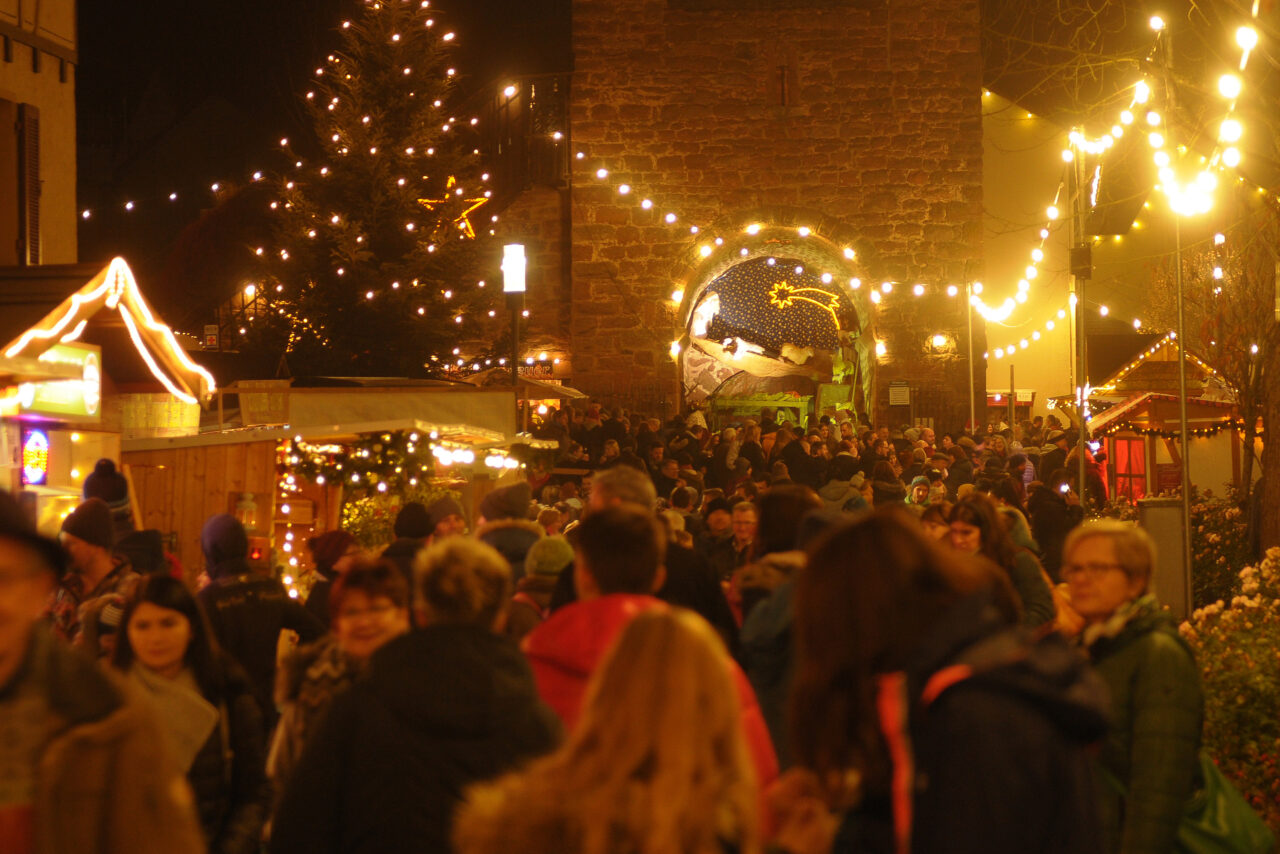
x: 512, y: 538
x: 837, y: 494
x: 992, y: 734
x: 441, y: 708
x: 565, y: 650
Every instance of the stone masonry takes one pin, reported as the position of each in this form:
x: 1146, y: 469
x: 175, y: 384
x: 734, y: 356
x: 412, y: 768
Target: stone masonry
x: 862, y: 114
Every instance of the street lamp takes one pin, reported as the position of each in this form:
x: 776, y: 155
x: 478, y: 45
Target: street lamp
x: 513, y: 285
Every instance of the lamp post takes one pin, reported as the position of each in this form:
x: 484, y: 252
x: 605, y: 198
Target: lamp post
x: 513, y: 285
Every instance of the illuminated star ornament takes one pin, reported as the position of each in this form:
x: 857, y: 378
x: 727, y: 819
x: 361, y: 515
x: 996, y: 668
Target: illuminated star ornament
x: 463, y: 220
x: 785, y: 294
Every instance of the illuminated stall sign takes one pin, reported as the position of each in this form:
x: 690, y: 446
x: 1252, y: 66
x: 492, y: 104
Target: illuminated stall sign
x: 68, y: 400
x: 35, y: 457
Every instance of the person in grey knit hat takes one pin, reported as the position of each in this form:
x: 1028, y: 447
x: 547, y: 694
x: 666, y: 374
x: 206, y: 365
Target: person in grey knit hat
x: 88, y: 535
x: 447, y: 518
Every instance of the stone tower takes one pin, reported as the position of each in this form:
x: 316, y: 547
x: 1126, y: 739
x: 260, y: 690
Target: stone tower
x: 786, y: 188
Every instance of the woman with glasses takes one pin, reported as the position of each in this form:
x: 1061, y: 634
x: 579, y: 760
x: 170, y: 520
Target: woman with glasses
x: 1152, y: 748
x: 368, y: 606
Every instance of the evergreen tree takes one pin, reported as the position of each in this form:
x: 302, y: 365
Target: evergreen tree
x: 374, y: 267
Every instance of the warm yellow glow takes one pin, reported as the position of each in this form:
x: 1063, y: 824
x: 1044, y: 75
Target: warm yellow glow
x: 677, y: 296
x: 1157, y: 23
x: 1052, y: 212
x: 939, y: 340
x: 1229, y: 86
x: 1067, y: 156
x: 881, y: 349
x: 704, y: 250
x: 1231, y: 131
x: 1126, y: 117
x: 1141, y: 92
x: 509, y: 92
x: 1156, y: 140
x: 1231, y: 156
x: 1247, y: 38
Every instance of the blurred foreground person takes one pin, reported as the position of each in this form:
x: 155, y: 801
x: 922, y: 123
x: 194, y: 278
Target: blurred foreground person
x: 207, y: 709
x: 657, y: 764
x: 448, y: 704
x: 369, y: 606
x: 920, y: 708
x: 1157, y: 705
x: 83, y: 767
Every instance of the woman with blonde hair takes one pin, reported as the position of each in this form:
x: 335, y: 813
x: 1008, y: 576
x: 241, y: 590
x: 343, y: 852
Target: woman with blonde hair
x: 658, y: 762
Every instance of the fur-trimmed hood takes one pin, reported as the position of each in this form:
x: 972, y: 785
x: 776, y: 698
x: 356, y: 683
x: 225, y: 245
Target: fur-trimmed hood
x: 512, y: 538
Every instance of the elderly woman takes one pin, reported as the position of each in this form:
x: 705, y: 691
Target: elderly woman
x: 1151, y: 751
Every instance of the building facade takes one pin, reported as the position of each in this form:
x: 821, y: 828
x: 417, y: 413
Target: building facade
x: 767, y: 197
x: 37, y: 132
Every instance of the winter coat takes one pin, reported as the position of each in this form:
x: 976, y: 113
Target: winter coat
x: 402, y: 553
x: 247, y: 611
x: 958, y: 474
x: 228, y: 775
x: 511, y: 537
x: 441, y: 708
x: 1157, y: 709
x: 308, y: 680
x: 104, y: 783
x: 1028, y: 580
x: 838, y: 494
x: 888, y: 493
x: 565, y: 651
x: 995, y: 736
x: 1052, y: 518
x: 768, y: 657
x: 530, y: 604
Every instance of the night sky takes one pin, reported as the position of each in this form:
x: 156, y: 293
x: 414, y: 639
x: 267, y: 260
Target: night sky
x: 174, y: 95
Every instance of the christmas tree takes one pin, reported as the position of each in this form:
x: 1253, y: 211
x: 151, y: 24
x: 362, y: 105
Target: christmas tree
x: 375, y: 266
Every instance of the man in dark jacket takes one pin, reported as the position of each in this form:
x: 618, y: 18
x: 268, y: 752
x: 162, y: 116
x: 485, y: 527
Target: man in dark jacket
x: 1056, y: 456
x: 449, y: 704
x: 247, y: 610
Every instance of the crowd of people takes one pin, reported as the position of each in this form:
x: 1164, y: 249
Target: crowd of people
x: 758, y: 639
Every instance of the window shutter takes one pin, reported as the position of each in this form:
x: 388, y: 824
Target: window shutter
x: 28, y: 184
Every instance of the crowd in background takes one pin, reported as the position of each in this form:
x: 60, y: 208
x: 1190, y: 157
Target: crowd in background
x: 761, y: 638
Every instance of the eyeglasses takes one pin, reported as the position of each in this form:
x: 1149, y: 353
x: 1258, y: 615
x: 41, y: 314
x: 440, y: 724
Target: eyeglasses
x: 1091, y: 570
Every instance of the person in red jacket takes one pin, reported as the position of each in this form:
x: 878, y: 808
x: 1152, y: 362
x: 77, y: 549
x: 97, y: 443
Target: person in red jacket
x: 617, y: 567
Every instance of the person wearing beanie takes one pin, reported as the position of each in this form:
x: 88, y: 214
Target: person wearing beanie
x: 546, y: 560
x: 108, y: 484
x: 447, y: 518
x: 918, y: 492
x: 72, y: 727
x: 508, y: 502
x: 88, y: 535
x: 417, y: 526
x: 248, y: 610
x: 332, y: 554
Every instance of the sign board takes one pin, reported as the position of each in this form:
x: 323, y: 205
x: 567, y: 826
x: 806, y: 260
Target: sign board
x: 899, y: 393
x: 210, y: 336
x: 264, y: 401
x: 68, y: 400
x: 35, y: 457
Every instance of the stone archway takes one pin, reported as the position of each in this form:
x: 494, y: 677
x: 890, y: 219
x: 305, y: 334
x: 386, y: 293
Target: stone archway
x: 779, y: 305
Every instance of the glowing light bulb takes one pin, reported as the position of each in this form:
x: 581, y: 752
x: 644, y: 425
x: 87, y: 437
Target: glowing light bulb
x: 939, y: 340
x: 803, y: 231
x: 602, y: 173
x: 1231, y: 156
x: 1052, y: 212
x: 1156, y: 140
x: 918, y: 290
x: 952, y: 290
x: 1067, y: 155
x: 1103, y: 310
x: 1126, y: 117
x: 1157, y: 23
x: 670, y: 217
x: 1247, y: 38
x: 1229, y: 86
x: 1141, y: 92
x: 1230, y: 131
x: 1137, y: 324
x: 1153, y: 118
x: 881, y: 349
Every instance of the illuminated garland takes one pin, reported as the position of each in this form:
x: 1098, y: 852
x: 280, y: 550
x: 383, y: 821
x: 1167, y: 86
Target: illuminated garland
x: 377, y: 463
x: 1198, y: 432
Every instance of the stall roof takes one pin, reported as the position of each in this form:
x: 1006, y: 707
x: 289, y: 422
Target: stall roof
x: 42, y: 306
x: 458, y: 434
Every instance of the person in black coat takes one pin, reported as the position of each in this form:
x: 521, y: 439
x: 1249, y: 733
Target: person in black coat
x: 911, y: 669
x: 248, y: 610
x: 449, y: 704
x: 1054, y: 512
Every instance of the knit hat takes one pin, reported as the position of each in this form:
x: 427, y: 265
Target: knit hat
x: 108, y: 484
x: 442, y: 508
x: 329, y: 547
x: 509, y: 502
x: 919, y: 480
x: 413, y: 522
x: 966, y: 443
x: 857, y: 480
x: 548, y: 556
x: 716, y: 504
x: 91, y: 522
x: 223, y: 540
x: 919, y: 455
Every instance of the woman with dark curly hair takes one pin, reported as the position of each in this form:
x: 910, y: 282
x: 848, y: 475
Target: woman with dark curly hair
x: 976, y: 529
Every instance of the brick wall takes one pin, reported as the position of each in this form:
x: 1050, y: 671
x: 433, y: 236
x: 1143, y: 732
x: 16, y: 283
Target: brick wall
x: 865, y: 115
